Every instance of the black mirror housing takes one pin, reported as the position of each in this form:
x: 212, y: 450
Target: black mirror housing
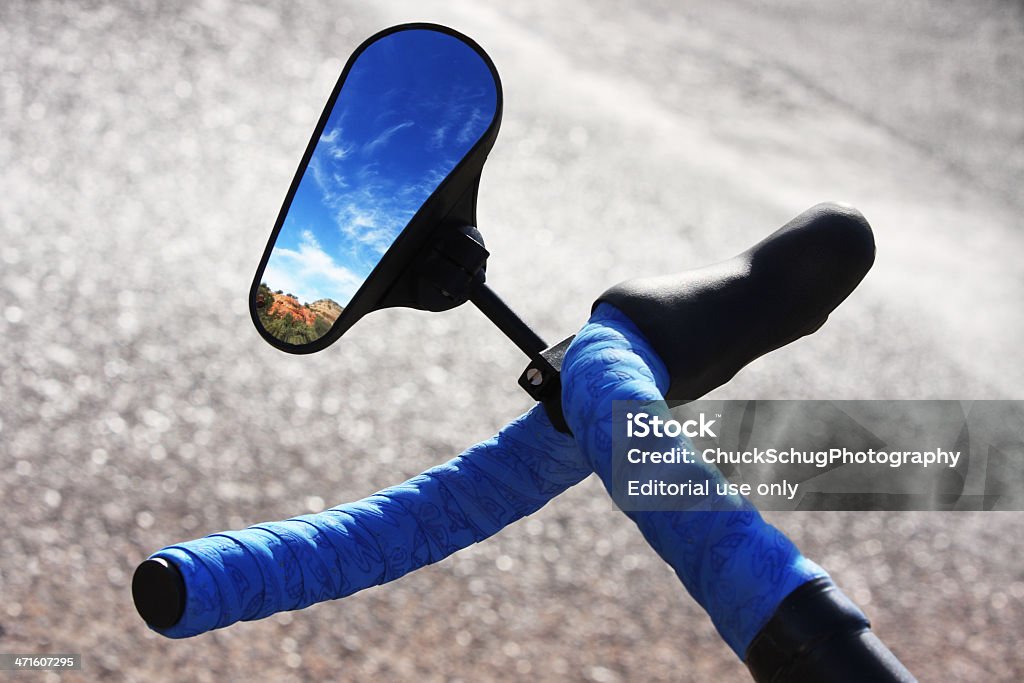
x: 447, y: 127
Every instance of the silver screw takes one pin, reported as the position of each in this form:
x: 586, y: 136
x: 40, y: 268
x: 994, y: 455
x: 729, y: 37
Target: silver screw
x: 534, y: 377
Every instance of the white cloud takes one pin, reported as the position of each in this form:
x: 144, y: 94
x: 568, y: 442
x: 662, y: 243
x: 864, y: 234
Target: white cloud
x: 372, y: 222
x: 431, y: 179
x: 472, y: 128
x: 334, y: 146
x: 437, y: 138
x: 383, y: 138
x: 310, y: 273
x: 338, y: 152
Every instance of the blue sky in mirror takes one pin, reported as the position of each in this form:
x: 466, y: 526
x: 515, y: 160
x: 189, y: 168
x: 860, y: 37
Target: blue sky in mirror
x: 412, y: 106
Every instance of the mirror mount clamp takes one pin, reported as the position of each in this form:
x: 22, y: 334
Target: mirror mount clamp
x: 543, y: 381
x: 451, y: 268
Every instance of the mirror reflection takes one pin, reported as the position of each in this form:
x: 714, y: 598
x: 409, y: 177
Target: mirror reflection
x: 413, y: 104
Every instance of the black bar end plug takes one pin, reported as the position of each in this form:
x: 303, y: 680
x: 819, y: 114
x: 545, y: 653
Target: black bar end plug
x: 159, y: 592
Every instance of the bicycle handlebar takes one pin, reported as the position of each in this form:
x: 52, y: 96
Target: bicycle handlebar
x: 736, y: 566
x: 776, y: 609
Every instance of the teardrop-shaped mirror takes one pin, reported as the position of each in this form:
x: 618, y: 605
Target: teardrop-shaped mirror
x: 399, y: 145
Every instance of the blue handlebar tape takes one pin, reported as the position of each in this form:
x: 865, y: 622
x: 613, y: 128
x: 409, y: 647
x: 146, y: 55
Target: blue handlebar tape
x: 276, y: 566
x: 736, y: 565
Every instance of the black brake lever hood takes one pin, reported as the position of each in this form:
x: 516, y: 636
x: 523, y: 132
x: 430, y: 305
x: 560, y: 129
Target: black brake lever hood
x: 706, y: 324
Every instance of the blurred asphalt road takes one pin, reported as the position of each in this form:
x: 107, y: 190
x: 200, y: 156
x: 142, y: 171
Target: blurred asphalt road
x: 145, y: 150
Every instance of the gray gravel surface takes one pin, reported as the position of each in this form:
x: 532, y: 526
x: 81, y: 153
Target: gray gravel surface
x: 145, y: 149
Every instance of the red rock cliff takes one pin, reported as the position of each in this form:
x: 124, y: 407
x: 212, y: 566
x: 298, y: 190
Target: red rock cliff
x: 289, y: 305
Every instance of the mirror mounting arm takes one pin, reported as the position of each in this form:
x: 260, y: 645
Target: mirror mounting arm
x: 498, y: 312
x: 454, y: 270
x: 541, y: 379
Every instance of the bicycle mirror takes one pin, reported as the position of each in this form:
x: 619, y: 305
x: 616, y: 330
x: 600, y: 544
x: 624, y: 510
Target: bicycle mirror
x: 390, y: 173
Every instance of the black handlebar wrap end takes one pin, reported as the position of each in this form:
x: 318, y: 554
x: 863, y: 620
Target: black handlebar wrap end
x: 818, y: 635
x: 159, y: 592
